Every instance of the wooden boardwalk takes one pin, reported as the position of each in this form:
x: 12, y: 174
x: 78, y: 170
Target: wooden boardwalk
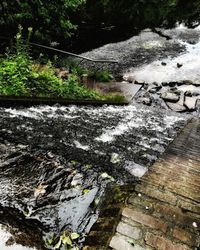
x: 163, y: 212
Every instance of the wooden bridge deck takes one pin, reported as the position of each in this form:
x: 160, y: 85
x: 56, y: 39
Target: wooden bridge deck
x: 163, y: 212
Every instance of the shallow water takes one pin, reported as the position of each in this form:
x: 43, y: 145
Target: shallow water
x: 190, y: 60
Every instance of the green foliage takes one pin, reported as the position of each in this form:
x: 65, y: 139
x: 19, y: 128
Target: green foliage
x: 20, y: 76
x: 97, y: 75
x: 14, y: 73
x: 66, y: 241
x: 116, y: 98
x: 53, y: 17
x: 15, y: 70
x: 141, y: 14
x: 58, y: 20
x: 100, y: 75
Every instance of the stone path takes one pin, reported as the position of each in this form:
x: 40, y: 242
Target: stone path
x: 164, y: 210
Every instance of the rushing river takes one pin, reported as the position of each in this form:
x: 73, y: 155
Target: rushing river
x: 56, y: 163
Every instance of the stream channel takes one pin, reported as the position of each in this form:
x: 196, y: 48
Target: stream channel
x: 57, y: 163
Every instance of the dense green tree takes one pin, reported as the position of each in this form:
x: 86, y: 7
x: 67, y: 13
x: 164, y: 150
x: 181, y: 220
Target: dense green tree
x: 144, y: 13
x: 49, y: 19
x: 97, y: 20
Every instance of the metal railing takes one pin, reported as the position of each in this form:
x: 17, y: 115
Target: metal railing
x: 67, y: 53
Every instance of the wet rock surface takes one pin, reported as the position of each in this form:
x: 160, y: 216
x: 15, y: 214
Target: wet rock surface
x: 144, y: 49
x: 168, y: 69
x: 134, y: 52
x: 180, y: 96
x: 56, y: 163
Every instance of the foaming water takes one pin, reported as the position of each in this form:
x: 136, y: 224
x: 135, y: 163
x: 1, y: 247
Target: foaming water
x: 89, y: 128
x: 156, y: 72
x: 57, y: 161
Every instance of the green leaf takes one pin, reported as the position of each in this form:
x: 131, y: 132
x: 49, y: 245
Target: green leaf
x: 66, y: 240
x: 75, y: 248
x: 74, y: 236
x: 107, y: 176
x: 49, y: 242
x: 85, y: 191
x: 58, y: 245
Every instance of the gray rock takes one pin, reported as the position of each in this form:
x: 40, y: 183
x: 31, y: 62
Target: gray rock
x: 165, y: 83
x: 145, y: 100
x: 129, y: 90
x: 196, y: 93
x: 77, y: 180
x: 157, y: 84
x: 172, y: 84
x: 135, y: 169
x: 187, y: 82
x: 192, y: 42
x: 175, y: 90
x: 71, y: 212
x: 180, y: 83
x: 190, y: 102
x: 3, y: 148
x: 197, y: 84
x: 170, y: 97
x: 178, y: 106
x: 179, y: 65
x: 198, y: 106
x: 188, y: 93
x: 129, y: 79
x: 146, y: 85
x: 153, y: 90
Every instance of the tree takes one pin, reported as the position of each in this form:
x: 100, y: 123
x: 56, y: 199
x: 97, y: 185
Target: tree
x: 49, y: 19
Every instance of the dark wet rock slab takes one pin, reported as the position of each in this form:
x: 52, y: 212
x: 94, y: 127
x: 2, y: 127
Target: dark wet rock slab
x: 56, y: 162
x: 137, y: 51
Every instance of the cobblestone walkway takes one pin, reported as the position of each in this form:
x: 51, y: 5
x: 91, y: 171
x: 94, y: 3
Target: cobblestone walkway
x: 164, y: 210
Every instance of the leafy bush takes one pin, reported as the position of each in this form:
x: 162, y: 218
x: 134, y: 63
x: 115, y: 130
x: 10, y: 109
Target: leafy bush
x: 15, y: 73
x: 97, y: 75
x: 100, y: 75
x: 19, y: 76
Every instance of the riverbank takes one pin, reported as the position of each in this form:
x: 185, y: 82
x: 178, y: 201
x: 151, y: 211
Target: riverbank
x: 167, y: 69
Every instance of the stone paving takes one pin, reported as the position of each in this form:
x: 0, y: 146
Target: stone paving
x: 163, y: 211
